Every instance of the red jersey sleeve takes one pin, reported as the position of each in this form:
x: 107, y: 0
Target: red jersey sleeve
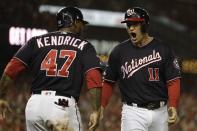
x: 174, y: 92
x: 106, y: 93
x: 14, y: 67
x: 94, y: 78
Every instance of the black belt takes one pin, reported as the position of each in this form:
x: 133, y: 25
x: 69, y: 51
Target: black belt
x: 150, y: 106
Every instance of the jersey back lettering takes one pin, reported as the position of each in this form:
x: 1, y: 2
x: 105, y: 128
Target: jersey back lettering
x: 58, y: 61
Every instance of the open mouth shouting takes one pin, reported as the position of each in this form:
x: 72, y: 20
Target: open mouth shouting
x: 133, y: 36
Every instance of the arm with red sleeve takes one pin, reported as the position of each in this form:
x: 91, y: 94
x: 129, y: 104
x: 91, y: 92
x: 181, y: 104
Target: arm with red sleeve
x: 106, y: 93
x: 173, y: 92
x: 93, y: 76
x: 173, y: 75
x: 12, y: 70
x: 94, y: 83
x: 173, y: 99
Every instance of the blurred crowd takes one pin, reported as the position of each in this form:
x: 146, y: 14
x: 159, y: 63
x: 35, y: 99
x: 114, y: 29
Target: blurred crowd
x: 25, y: 12
x: 18, y: 96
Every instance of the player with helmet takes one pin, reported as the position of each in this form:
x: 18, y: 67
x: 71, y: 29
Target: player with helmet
x: 148, y: 77
x: 59, y: 62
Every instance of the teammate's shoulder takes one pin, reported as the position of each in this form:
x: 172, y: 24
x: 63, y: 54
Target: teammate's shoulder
x: 161, y: 43
x: 50, y: 34
x: 41, y: 35
x: 88, y: 45
x: 163, y: 46
x: 83, y: 39
x: 120, y: 47
x: 31, y: 40
x: 126, y: 41
x: 76, y: 36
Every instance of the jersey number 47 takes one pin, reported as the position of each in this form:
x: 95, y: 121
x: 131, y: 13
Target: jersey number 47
x: 49, y: 64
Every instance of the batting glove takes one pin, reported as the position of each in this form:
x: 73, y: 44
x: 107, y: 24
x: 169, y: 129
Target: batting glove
x: 172, y: 115
x: 94, y: 120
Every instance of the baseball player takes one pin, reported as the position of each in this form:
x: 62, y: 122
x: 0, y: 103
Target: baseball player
x: 59, y: 62
x: 148, y: 77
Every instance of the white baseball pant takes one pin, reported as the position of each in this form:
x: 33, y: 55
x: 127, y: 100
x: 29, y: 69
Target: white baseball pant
x: 42, y: 112
x: 141, y: 119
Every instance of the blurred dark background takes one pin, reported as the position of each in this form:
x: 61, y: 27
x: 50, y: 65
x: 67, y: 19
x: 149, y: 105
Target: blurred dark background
x: 173, y: 21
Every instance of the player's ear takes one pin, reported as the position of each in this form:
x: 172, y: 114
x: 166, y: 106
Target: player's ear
x: 74, y: 24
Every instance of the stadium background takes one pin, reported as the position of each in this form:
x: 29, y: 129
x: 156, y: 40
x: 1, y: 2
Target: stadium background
x: 173, y: 21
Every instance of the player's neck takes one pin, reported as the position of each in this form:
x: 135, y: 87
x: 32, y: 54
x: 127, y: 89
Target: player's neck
x: 67, y: 30
x: 145, y: 40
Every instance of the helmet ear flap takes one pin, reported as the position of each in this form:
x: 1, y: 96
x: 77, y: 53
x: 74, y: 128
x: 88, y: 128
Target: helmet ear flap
x: 67, y: 19
x: 64, y: 19
x: 67, y: 16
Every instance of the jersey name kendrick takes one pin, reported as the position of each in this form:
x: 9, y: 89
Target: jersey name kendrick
x: 129, y: 68
x: 60, y: 40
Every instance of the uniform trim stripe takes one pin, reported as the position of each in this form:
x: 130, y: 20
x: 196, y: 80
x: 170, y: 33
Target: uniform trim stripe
x: 109, y: 80
x: 135, y: 19
x: 21, y: 61
x: 173, y: 79
x: 92, y: 69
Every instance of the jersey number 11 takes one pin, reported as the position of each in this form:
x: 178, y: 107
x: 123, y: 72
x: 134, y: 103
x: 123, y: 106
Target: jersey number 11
x: 153, y: 74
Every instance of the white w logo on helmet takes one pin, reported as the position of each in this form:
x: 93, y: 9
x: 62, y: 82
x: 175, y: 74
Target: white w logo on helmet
x: 130, y: 12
